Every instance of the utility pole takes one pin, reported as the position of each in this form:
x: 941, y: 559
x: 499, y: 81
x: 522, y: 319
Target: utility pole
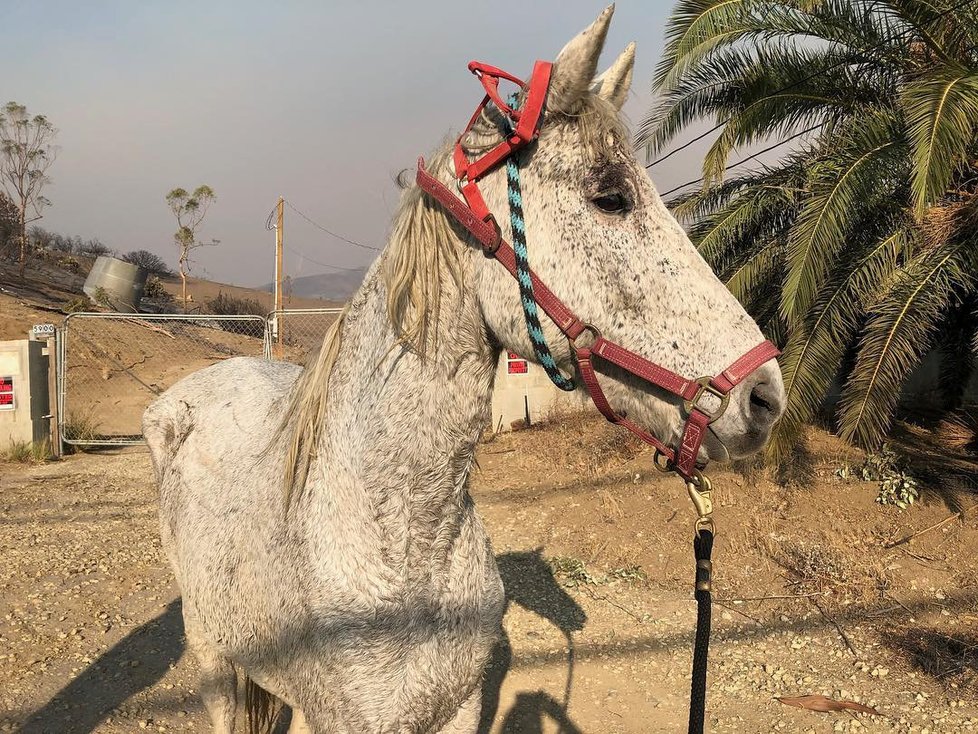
x: 278, y: 273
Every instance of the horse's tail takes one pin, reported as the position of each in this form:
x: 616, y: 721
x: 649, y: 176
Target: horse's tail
x: 261, y: 708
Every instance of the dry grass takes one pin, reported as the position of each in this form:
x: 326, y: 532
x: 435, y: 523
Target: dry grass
x: 583, y: 443
x: 26, y: 452
x: 79, y: 427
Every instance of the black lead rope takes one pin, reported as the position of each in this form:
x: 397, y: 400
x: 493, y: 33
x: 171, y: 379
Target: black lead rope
x: 703, y: 550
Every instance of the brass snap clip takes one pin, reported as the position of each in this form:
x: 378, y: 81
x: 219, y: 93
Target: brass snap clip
x: 700, y: 490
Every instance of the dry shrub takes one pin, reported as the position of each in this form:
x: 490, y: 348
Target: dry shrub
x: 944, y: 457
x: 835, y: 566
x: 950, y: 659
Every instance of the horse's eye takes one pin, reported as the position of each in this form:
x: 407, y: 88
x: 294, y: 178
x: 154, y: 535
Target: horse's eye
x: 611, y: 202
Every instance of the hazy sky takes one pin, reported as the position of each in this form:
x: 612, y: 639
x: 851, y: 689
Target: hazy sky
x: 322, y: 103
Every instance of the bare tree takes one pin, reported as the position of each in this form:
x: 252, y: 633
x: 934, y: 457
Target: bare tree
x: 189, y: 209
x: 26, y: 153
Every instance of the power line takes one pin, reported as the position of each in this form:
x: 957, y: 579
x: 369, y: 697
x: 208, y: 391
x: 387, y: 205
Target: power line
x: 269, y: 226
x: 317, y: 225
x: 748, y: 158
x: 325, y: 265
x: 803, y: 80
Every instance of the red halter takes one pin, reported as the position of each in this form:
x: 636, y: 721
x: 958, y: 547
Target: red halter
x: 474, y: 216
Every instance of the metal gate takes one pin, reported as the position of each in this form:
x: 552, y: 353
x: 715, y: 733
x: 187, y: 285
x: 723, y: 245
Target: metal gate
x: 295, y: 333
x: 111, y: 366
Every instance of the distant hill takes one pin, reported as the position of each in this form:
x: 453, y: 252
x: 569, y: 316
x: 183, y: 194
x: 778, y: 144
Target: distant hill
x: 338, y: 286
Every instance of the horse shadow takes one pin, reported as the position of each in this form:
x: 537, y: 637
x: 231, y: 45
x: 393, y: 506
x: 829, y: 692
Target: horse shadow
x: 84, y: 703
x: 87, y: 700
x: 530, y: 583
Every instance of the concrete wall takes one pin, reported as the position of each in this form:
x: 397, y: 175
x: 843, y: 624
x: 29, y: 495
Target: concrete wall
x: 514, y: 392
x: 24, y: 363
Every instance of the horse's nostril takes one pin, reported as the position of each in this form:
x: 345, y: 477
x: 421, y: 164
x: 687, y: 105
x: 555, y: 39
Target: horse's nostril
x: 765, y: 401
x: 758, y: 401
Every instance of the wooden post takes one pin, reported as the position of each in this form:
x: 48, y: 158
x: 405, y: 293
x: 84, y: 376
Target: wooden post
x: 278, y: 274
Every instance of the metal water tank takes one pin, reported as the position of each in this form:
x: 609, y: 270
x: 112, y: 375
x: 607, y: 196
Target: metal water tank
x: 121, y: 283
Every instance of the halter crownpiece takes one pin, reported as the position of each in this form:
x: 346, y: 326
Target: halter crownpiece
x: 585, y: 340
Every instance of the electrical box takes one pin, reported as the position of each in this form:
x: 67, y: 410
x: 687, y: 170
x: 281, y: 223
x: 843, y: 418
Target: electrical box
x: 25, y: 414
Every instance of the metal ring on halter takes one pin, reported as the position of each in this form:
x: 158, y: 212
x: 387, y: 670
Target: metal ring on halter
x: 662, y: 462
x: 590, y: 329
x: 705, y: 386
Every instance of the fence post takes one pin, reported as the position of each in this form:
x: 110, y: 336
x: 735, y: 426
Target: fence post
x: 54, y: 422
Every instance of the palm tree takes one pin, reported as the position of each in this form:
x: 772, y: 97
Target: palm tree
x: 858, y: 250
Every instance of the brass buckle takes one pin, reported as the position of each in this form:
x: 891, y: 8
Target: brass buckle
x: 700, y: 490
x: 590, y: 329
x: 706, y: 387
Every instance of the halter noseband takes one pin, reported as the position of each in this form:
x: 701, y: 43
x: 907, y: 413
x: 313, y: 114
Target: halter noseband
x: 585, y: 340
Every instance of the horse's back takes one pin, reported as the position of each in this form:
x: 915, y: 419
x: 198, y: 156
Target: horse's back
x: 209, y: 437
x: 239, y: 398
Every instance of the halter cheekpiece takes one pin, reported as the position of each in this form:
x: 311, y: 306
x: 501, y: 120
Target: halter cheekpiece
x: 585, y: 340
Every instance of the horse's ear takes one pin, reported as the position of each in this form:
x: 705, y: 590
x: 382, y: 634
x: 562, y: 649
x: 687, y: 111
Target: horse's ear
x: 576, y: 65
x: 614, y: 84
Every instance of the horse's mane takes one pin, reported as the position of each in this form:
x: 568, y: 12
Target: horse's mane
x: 421, y: 253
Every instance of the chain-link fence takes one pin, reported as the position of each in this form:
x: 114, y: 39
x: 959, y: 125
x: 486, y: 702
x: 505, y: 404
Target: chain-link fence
x: 113, y: 365
x: 294, y: 334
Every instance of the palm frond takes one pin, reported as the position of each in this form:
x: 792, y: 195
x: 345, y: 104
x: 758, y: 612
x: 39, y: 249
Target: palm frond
x: 696, y: 27
x: 813, y: 354
x: 753, y: 268
x: 898, y: 334
x: 859, y: 173
x: 941, y: 108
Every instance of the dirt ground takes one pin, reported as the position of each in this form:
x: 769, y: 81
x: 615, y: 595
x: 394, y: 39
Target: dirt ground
x: 593, y: 546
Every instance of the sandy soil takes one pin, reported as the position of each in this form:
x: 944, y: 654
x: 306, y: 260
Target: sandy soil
x: 593, y: 546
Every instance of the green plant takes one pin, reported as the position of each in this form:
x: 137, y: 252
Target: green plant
x: 855, y: 251
x: 154, y: 289
x: 77, y: 304
x: 102, y: 297
x: 628, y: 574
x: 574, y: 573
x: 896, y: 486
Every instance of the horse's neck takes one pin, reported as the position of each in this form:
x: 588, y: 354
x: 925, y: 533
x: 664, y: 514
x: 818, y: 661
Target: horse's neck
x: 402, y: 430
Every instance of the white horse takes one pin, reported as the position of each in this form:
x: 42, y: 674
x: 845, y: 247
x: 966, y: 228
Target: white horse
x: 364, y: 594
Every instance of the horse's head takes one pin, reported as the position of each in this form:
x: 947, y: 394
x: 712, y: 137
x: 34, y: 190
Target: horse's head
x: 599, y: 235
